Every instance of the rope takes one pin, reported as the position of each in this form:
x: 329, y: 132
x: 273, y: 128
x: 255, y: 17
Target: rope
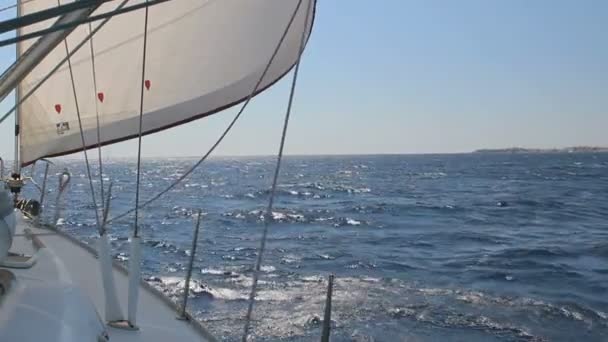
x: 97, y: 118
x: 268, y: 216
x: 86, y: 156
x: 228, y: 128
x: 141, y: 116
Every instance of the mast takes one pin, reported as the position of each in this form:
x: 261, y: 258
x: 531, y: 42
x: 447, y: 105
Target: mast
x: 17, y: 162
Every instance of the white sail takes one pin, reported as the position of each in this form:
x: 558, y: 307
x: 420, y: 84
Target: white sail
x: 202, y: 56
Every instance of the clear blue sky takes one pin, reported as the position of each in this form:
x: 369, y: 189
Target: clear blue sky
x: 400, y: 76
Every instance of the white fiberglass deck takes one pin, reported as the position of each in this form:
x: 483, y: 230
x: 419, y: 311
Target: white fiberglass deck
x: 64, y: 260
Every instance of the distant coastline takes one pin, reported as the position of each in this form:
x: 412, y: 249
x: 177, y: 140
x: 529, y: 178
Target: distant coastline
x: 574, y: 149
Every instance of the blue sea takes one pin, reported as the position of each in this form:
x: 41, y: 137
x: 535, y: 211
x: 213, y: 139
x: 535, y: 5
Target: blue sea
x: 464, y: 247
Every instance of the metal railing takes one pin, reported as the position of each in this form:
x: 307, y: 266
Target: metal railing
x: 327, y: 315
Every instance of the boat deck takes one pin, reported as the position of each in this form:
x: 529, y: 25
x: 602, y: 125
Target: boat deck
x: 66, y: 260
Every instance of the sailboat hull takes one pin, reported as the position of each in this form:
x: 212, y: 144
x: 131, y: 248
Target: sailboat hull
x: 65, y: 264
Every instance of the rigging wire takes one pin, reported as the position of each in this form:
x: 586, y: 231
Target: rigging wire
x: 226, y: 130
x: 74, y: 23
x: 268, y: 216
x: 22, y: 2
x: 84, y: 149
x: 141, y: 117
x: 48, y: 13
x: 60, y: 64
x: 97, y: 118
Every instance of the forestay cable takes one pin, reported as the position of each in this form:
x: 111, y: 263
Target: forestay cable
x: 268, y: 217
x: 141, y: 116
x: 228, y: 128
x: 135, y: 253
x: 95, y: 94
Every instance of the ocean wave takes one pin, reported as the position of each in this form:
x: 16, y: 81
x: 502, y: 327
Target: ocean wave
x: 307, y: 191
x: 379, y: 208
x: 430, y: 175
x: 293, y: 216
x: 546, y: 252
x: 600, y: 249
x: 174, y: 287
x: 178, y: 212
x: 361, y: 265
x: 303, y: 194
x: 221, y: 271
x: 351, y: 189
x: 480, y: 322
x: 325, y: 256
x: 468, y: 240
x: 347, y: 221
x: 465, y: 236
x: 572, y: 311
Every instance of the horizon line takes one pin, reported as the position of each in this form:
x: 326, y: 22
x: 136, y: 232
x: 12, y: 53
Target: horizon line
x: 506, y: 149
